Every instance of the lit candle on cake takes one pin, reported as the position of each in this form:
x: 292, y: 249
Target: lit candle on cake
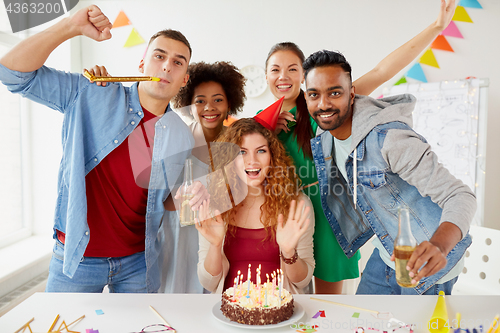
x: 237, y: 282
x: 234, y: 288
x: 266, y: 298
x: 249, y: 277
x: 267, y: 278
x: 279, y: 289
x: 241, y: 285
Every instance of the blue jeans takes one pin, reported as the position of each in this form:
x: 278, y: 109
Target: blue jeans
x: 380, y: 279
x: 121, y: 275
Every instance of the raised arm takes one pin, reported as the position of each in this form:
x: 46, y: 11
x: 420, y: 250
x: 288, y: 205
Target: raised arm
x: 406, y: 53
x: 30, y: 54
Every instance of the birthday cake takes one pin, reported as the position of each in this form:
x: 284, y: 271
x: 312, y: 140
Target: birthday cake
x: 262, y: 304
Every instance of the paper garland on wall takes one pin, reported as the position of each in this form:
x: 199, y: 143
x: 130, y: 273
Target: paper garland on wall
x: 441, y: 43
x: 121, y: 20
x: 461, y: 15
x: 134, y: 38
x: 470, y: 4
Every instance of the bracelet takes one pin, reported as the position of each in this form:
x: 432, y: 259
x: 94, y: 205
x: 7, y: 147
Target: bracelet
x: 292, y: 260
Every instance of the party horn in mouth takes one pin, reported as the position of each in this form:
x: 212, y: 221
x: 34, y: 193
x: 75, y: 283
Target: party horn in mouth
x: 94, y: 78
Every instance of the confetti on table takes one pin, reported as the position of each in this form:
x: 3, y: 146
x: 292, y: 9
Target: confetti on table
x: 89, y: 330
x: 99, y: 312
x: 320, y: 313
x: 307, y: 328
x: 355, y: 315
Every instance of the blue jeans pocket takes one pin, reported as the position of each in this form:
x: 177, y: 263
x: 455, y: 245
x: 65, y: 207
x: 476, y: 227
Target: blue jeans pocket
x: 58, y: 250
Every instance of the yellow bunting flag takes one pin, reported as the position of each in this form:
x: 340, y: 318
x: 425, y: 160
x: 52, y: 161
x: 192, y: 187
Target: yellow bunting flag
x: 121, y: 20
x: 134, y: 39
x: 461, y: 15
x: 429, y: 59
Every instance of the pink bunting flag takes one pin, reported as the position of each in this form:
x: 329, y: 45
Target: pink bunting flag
x: 452, y: 31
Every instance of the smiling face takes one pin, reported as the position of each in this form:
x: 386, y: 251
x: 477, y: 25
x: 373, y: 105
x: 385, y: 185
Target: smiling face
x: 284, y: 75
x: 254, y: 165
x: 210, y: 105
x: 168, y: 60
x: 329, y: 97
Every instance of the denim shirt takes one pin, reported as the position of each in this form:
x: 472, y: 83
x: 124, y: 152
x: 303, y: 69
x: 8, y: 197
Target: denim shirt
x: 97, y: 120
x: 379, y: 194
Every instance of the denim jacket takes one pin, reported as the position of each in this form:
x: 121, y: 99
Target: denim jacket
x: 96, y: 120
x: 395, y: 167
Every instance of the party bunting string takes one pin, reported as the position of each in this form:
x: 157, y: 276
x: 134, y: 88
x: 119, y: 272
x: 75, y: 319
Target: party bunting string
x: 441, y: 43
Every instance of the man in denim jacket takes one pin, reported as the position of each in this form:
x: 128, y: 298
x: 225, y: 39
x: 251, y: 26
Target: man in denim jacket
x: 123, y: 149
x: 369, y: 163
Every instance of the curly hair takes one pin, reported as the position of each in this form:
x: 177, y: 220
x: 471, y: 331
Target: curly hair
x: 222, y: 72
x: 282, y: 183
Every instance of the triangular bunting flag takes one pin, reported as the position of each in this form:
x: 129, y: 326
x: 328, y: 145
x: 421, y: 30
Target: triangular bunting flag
x: 452, y: 31
x: 133, y: 39
x: 440, y: 43
x: 470, y: 4
x: 121, y: 20
x: 401, y: 81
x: 417, y: 73
x: 461, y: 15
x: 429, y: 59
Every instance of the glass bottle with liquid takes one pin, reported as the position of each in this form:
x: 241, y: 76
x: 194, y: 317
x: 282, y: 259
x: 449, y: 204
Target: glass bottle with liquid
x: 404, y: 245
x: 187, y: 215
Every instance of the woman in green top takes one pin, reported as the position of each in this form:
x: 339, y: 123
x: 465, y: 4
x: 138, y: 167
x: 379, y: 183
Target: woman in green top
x: 284, y: 75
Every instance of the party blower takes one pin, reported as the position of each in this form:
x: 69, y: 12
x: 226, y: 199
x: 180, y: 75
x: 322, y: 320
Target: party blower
x: 439, y: 320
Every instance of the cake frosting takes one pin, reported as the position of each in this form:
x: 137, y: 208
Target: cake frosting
x: 248, y: 304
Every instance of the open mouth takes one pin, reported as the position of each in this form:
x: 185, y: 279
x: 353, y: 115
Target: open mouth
x: 211, y: 117
x: 284, y: 87
x: 326, y: 116
x: 253, y: 173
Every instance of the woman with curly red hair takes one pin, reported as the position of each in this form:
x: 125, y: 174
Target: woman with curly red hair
x: 255, y: 231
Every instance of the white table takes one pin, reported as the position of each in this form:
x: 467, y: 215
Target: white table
x: 125, y: 313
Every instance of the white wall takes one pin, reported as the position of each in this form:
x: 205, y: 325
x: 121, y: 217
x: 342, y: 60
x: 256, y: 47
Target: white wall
x: 243, y: 32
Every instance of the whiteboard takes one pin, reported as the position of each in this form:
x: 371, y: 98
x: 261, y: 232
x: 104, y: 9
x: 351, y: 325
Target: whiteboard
x: 451, y: 115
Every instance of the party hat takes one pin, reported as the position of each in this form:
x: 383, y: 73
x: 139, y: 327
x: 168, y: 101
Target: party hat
x: 439, y: 319
x: 269, y: 116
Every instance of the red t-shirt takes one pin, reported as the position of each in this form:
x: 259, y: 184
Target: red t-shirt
x: 246, y: 247
x: 117, y: 195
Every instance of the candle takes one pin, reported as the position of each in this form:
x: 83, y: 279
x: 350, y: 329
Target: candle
x: 266, y: 298
x: 267, y: 278
x: 241, y: 285
x: 237, y: 281
x: 234, y: 289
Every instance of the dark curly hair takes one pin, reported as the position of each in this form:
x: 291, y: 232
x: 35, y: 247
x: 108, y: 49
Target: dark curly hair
x: 222, y: 72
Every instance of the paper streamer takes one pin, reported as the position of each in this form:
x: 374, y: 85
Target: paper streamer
x: 134, y: 39
x: 470, y: 4
x: 401, y: 81
x: 441, y: 43
x: 452, y: 31
x: 121, y: 20
x: 417, y: 73
x: 429, y: 59
x: 461, y: 15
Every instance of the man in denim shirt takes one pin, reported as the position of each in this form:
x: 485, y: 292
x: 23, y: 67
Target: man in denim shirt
x: 369, y: 163
x: 123, y: 149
